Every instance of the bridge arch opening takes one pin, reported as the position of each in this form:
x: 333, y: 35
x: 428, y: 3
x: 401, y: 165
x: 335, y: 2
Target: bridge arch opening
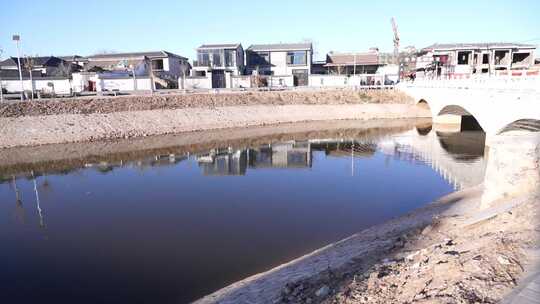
x: 529, y: 125
x: 454, y: 114
x: 424, y: 129
x: 422, y: 103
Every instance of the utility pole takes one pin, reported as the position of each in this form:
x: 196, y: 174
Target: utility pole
x: 354, y: 67
x: 1, y: 87
x: 17, y: 39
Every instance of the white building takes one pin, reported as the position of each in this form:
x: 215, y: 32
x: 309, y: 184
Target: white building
x: 291, y: 60
x: 162, y: 67
x: 216, y: 64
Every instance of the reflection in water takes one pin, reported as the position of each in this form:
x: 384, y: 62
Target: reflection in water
x: 19, y: 210
x: 38, y: 207
x: 463, y: 146
x: 172, y: 227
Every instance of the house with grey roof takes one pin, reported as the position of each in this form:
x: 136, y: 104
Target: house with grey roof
x: 77, y: 62
x: 282, y: 59
x: 218, y: 62
x: 165, y: 68
x: 352, y: 63
x: 46, y: 65
x: 463, y: 59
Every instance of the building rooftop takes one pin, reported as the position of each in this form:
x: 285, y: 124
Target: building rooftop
x: 340, y: 59
x: 486, y: 45
x: 14, y: 75
x: 280, y: 47
x: 37, y: 61
x: 152, y: 54
x: 73, y: 58
x: 220, y: 46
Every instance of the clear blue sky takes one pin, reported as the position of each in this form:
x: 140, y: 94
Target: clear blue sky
x: 62, y: 27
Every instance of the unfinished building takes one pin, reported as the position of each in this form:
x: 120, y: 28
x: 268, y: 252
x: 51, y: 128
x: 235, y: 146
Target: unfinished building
x: 459, y: 59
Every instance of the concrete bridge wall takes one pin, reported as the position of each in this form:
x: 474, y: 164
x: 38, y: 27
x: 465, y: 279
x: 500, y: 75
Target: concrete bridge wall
x: 494, y: 103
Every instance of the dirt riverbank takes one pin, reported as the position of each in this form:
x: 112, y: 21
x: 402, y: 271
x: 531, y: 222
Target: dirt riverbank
x: 64, y: 128
x: 448, y: 252
x: 50, y: 159
x: 96, y: 118
x: 103, y: 105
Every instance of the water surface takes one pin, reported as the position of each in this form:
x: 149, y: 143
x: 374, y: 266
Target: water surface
x: 172, y: 228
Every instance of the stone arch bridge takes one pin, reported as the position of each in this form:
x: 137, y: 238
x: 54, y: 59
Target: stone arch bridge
x: 497, y: 104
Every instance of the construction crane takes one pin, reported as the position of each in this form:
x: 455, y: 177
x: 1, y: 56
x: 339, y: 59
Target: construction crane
x: 396, y: 48
x: 396, y: 41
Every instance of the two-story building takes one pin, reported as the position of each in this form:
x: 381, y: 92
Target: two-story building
x: 216, y: 63
x: 291, y: 60
x: 162, y: 67
x: 461, y: 59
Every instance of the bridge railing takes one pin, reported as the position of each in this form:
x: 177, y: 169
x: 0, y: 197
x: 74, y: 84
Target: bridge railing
x: 526, y: 84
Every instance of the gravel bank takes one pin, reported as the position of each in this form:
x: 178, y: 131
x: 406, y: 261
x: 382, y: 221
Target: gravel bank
x: 100, y: 104
x: 64, y: 128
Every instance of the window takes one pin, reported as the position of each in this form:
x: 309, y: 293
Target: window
x: 216, y: 58
x: 485, y: 58
x: 203, y: 57
x: 157, y: 64
x: 229, y: 58
x: 463, y: 57
x: 297, y: 58
x: 521, y: 58
x: 501, y: 57
x: 259, y: 58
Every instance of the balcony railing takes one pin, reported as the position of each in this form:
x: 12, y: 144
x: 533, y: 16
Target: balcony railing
x: 210, y: 64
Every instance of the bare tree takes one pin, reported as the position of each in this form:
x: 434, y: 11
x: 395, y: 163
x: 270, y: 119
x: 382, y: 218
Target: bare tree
x: 315, y: 45
x: 29, y: 64
x: 65, y: 69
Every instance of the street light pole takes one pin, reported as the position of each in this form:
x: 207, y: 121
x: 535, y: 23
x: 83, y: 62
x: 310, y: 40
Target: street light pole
x: 1, y: 87
x: 17, y: 38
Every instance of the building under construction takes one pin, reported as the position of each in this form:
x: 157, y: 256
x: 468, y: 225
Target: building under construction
x: 462, y: 59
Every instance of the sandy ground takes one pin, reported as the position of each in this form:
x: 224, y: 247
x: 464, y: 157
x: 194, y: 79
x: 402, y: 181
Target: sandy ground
x: 448, y: 252
x: 63, y: 128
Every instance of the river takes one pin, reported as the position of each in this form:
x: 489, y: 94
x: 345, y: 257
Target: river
x: 171, y: 224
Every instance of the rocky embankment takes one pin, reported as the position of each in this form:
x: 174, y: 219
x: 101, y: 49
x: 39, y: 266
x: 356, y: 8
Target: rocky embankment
x: 451, y: 260
x: 451, y: 251
x: 109, y: 104
x: 91, y: 119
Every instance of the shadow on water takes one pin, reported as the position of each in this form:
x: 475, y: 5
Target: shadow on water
x: 174, y: 222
